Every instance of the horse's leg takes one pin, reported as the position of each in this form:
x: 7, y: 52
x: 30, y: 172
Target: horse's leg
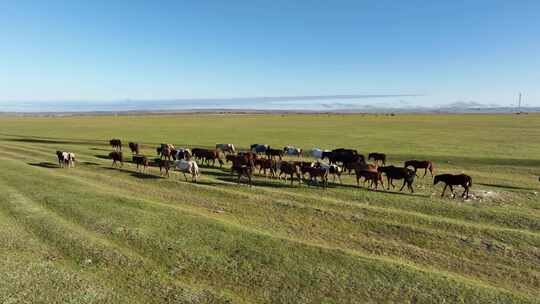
x: 357, y: 181
x: 409, y: 184
x: 404, y: 182
x: 425, y: 172
x: 444, y: 190
x: 452, y: 189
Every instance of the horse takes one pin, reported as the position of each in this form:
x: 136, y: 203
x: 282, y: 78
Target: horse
x: 271, y: 153
x: 141, y: 160
x: 188, y: 166
x: 229, y: 148
x: 420, y: 164
x: 451, y: 180
x: 116, y: 156
x: 318, y: 153
x: 290, y: 150
x: 374, y: 176
x: 116, y: 144
x: 206, y: 155
x: 71, y: 159
x: 377, y: 157
x: 290, y: 169
x: 315, y: 172
x: 134, y: 147
x: 60, y: 156
x: 166, y: 151
x: 393, y: 172
x: 244, y: 167
x: 183, y: 153
x: 164, y: 166
x: 332, y: 169
x: 264, y: 164
x: 258, y: 148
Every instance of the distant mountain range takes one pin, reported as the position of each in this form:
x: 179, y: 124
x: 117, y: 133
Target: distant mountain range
x: 307, y: 104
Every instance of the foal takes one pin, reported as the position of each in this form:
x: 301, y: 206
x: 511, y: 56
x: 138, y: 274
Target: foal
x: 463, y: 180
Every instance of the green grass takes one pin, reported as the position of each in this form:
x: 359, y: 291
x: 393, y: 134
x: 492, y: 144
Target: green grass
x: 99, y: 235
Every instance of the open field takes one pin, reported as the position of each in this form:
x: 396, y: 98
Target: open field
x: 94, y: 234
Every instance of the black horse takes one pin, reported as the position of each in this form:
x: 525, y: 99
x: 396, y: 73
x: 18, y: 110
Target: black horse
x: 451, y: 180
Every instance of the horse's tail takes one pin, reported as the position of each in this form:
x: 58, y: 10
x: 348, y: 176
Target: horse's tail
x: 469, y: 181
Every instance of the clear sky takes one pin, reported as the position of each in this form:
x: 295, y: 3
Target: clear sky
x: 474, y: 50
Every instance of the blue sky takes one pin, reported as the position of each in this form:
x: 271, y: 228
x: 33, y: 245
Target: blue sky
x: 483, y: 51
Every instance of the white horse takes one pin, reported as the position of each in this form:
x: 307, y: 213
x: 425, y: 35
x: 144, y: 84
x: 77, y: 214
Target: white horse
x: 332, y: 169
x: 290, y: 150
x: 225, y: 148
x: 188, y: 166
x: 317, y: 153
x: 71, y: 159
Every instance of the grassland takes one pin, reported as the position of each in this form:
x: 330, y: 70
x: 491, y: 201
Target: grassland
x: 99, y: 235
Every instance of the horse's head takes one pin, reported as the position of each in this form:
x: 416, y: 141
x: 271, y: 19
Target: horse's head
x: 436, y: 179
x: 407, y: 163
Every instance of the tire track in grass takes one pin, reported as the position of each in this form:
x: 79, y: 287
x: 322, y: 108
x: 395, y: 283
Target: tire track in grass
x: 108, y: 190
x: 28, y: 264
x: 105, y: 258
x: 401, y: 226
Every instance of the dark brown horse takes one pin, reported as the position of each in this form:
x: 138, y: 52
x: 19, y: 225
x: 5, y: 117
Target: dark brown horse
x: 289, y: 169
x: 272, y: 153
x: 243, y: 166
x: 134, y: 147
x: 377, y: 157
x: 141, y: 161
x: 315, y: 172
x: 393, y: 172
x: 266, y: 164
x: 451, y: 180
x: 117, y: 159
x: 164, y: 166
x: 116, y: 144
x: 374, y: 176
x: 420, y: 164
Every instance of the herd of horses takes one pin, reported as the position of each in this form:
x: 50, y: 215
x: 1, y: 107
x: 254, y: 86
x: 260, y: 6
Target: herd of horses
x: 271, y: 162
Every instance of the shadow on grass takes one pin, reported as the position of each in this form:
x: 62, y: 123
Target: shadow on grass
x: 258, y: 182
x: 45, y: 165
x: 89, y: 163
x: 51, y: 141
x: 506, y: 186
x: 463, y: 161
x: 102, y: 156
x: 141, y: 175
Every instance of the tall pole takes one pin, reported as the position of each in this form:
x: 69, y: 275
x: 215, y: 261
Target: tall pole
x: 519, y: 102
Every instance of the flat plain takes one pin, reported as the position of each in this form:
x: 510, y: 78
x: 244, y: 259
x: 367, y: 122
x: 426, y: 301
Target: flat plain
x: 96, y: 234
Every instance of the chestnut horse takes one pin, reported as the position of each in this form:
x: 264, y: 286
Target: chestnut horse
x: 420, y: 164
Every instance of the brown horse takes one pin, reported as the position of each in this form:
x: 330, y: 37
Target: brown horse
x: 134, y: 147
x: 289, y: 169
x: 462, y: 180
x: 243, y: 166
x: 164, y: 166
x: 420, y: 164
x: 116, y: 144
x: 141, y: 161
x: 374, y: 176
x: 117, y: 159
x: 377, y: 157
